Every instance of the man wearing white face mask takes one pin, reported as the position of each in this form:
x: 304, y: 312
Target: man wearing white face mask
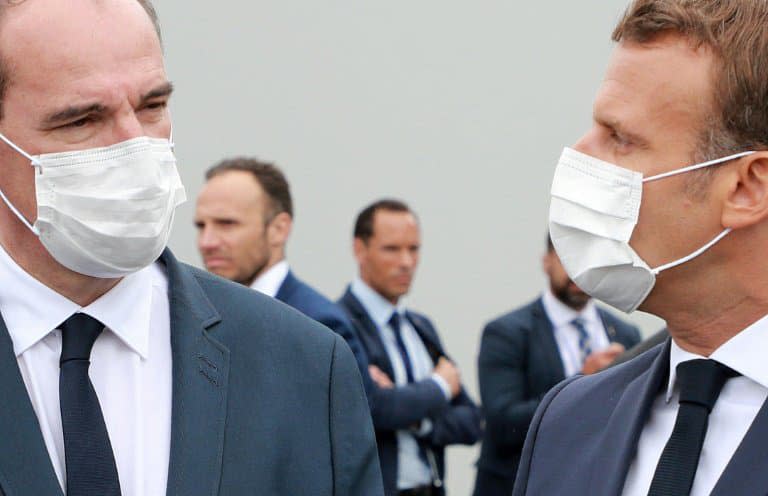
x: 638, y: 227
x: 122, y: 370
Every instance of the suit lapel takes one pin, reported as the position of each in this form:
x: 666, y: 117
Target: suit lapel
x: 610, y: 329
x: 25, y: 467
x: 369, y: 333
x: 287, y: 288
x: 618, y: 443
x: 427, y: 335
x: 544, y: 333
x: 745, y: 473
x: 200, y: 377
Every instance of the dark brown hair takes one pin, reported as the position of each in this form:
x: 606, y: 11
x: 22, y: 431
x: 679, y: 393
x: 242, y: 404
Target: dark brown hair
x: 364, y: 223
x: 271, y: 179
x: 736, y: 31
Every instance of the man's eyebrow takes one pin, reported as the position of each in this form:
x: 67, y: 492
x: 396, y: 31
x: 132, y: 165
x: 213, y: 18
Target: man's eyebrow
x: 73, y: 113
x: 619, y: 127
x: 163, y: 90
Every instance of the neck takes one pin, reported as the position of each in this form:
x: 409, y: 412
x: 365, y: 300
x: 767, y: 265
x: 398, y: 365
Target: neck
x: 274, y: 260
x: 27, y: 251
x: 705, y: 310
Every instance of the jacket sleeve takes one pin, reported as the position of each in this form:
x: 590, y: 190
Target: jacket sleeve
x: 502, y: 376
x: 460, y: 423
x: 405, y: 406
x: 356, y: 470
x: 391, y: 409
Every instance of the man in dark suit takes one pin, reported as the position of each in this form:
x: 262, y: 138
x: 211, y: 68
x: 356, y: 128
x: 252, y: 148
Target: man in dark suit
x: 244, y: 218
x: 122, y: 372
x: 638, y: 226
x: 524, y: 353
x: 420, y: 405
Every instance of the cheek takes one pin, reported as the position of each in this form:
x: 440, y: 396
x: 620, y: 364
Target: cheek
x: 17, y: 181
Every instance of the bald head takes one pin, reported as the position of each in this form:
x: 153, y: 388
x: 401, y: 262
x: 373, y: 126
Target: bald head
x: 7, y: 7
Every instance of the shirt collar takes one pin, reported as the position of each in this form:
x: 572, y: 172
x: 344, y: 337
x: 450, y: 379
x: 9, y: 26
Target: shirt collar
x: 744, y: 353
x: 561, y: 314
x: 32, y: 310
x: 269, y: 281
x: 376, y: 305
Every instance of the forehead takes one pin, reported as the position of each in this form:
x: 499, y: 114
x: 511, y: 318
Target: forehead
x: 657, y: 88
x: 233, y: 192
x: 75, y: 48
x: 391, y: 226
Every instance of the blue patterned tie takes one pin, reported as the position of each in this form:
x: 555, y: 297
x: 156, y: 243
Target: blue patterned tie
x: 585, y: 345
x: 394, y: 323
x: 91, y: 469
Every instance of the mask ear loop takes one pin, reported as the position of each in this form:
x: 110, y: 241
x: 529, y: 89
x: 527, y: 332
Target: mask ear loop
x: 692, y: 255
x: 5, y: 199
x: 697, y: 166
x: 720, y: 236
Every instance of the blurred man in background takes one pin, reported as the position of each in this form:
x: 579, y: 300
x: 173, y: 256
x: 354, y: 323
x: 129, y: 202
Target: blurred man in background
x: 527, y: 351
x: 426, y: 408
x: 244, y: 218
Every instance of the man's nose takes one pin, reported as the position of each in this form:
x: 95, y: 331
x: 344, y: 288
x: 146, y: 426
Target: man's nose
x: 207, y: 239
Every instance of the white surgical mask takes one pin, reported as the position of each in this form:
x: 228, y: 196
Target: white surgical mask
x: 593, y: 211
x: 105, y: 212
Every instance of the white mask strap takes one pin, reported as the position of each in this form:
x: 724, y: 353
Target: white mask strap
x: 697, y: 166
x: 13, y: 145
x: 5, y: 198
x: 692, y: 255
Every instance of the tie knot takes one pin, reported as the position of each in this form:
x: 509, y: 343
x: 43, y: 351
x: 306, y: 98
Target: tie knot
x: 78, y: 333
x: 701, y: 380
x: 579, y: 324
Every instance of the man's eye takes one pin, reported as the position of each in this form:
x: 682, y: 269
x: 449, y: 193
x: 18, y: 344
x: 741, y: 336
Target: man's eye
x: 80, y: 122
x: 156, y: 105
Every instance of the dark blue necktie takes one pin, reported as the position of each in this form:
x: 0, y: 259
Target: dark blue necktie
x: 394, y: 323
x: 91, y: 469
x: 585, y: 344
x: 700, y: 383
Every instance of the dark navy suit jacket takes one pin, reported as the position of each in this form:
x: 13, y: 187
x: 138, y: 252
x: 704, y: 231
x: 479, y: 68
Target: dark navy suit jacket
x: 519, y: 362
x: 593, y: 456
x: 307, y: 300
x: 454, y: 422
x: 265, y: 401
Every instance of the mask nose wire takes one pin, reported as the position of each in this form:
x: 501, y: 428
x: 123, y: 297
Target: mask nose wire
x: 5, y: 198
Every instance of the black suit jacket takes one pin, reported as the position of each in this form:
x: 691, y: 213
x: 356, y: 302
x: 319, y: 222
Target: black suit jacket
x: 265, y: 401
x: 454, y: 422
x: 593, y: 456
x: 519, y: 362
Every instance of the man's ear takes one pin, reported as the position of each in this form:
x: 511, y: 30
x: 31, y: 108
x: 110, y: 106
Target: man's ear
x: 279, y: 229
x: 746, y: 199
x: 546, y: 262
x: 360, y: 248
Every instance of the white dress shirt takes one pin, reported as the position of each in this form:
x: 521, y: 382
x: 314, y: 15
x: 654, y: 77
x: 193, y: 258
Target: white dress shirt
x: 412, y: 471
x: 733, y: 413
x: 269, y: 281
x: 567, y: 336
x: 130, y: 367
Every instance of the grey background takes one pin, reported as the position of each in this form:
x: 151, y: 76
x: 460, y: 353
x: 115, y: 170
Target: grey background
x: 460, y: 108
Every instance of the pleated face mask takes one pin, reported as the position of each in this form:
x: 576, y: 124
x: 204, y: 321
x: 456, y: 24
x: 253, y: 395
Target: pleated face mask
x: 105, y: 212
x: 593, y: 211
